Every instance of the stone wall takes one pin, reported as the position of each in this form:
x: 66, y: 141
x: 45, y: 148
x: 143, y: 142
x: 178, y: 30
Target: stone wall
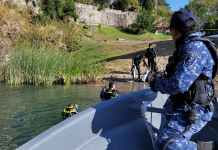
x: 90, y: 15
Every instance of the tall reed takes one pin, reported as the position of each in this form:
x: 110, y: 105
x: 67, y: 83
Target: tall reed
x: 42, y: 66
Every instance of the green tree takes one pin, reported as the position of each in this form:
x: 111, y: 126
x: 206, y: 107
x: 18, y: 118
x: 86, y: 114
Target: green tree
x: 132, y: 4
x: 125, y: 5
x: 85, y: 1
x: 207, y: 11
x: 102, y: 3
x: 149, y: 4
x: 58, y: 9
x: 145, y: 21
x: 69, y: 9
x: 49, y: 8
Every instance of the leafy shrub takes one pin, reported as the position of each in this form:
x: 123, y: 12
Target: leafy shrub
x: 126, y: 5
x: 85, y: 1
x: 148, y: 4
x: 145, y: 21
x: 53, y: 34
x: 69, y: 9
x: 207, y: 11
x: 58, y: 9
x: 163, y: 11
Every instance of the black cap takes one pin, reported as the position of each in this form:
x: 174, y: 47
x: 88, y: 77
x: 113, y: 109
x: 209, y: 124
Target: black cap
x: 183, y: 20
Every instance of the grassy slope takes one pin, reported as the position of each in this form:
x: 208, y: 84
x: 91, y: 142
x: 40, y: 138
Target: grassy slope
x: 111, y: 33
x: 42, y: 44
x: 132, y: 43
x: 83, y: 65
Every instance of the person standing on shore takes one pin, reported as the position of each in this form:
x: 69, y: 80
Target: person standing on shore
x: 151, y: 54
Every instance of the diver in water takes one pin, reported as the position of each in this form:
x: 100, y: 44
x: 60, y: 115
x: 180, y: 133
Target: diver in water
x: 70, y: 110
x: 110, y: 92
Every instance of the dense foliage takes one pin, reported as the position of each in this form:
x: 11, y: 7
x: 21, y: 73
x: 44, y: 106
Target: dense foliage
x: 144, y: 22
x: 149, y: 4
x: 207, y: 11
x: 42, y: 53
x: 86, y: 1
x: 58, y: 9
x: 131, y: 5
x: 151, y: 13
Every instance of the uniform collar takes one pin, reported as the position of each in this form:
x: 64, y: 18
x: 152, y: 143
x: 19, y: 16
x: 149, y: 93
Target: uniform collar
x: 193, y: 34
x: 187, y: 37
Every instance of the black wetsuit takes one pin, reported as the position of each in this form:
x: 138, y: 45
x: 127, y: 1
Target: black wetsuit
x: 107, y: 94
x: 151, y: 55
x: 136, y: 61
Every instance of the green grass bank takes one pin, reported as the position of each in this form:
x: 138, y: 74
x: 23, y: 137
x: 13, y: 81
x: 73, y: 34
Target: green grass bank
x: 59, y: 52
x: 111, y: 33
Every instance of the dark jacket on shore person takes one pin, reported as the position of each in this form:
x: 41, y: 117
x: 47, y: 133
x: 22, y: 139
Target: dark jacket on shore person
x: 151, y: 54
x: 136, y: 61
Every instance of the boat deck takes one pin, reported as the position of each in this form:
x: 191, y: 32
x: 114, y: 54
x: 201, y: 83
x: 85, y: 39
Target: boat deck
x: 112, y: 125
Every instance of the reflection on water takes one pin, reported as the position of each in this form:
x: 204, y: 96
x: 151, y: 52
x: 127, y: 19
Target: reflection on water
x: 27, y: 111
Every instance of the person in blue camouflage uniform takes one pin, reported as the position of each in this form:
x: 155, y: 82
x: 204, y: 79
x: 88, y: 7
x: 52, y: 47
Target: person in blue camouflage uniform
x: 194, y: 60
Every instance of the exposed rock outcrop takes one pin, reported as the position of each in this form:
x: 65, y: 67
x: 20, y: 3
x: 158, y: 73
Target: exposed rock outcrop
x: 31, y: 5
x: 92, y: 16
x: 88, y: 14
x: 11, y: 25
x: 19, y: 3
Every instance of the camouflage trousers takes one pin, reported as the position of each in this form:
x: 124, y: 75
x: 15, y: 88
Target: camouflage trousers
x: 177, y: 132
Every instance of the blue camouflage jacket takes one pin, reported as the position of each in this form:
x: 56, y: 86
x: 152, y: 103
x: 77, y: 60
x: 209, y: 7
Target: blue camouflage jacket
x: 196, y: 60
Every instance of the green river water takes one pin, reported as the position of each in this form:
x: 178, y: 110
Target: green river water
x: 27, y: 111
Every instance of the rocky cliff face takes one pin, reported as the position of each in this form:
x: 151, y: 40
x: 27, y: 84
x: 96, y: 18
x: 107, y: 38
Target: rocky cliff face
x: 90, y: 15
x: 87, y: 13
x: 11, y: 25
x: 19, y: 3
x: 31, y: 5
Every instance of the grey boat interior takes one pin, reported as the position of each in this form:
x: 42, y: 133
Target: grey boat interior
x: 124, y: 123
